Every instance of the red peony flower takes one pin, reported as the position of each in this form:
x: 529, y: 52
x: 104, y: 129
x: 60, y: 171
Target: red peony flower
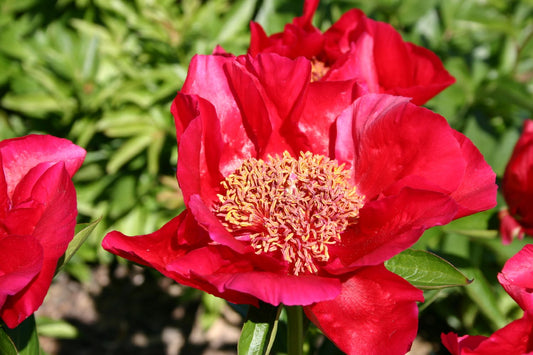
x: 517, y: 188
x: 296, y: 194
x: 516, y: 338
x: 37, y: 218
x: 356, y: 47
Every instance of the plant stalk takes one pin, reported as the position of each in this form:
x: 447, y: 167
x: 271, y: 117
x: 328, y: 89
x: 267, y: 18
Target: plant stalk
x: 295, y: 331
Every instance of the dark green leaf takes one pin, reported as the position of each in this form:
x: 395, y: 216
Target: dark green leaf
x: 426, y: 270
x: 25, y: 337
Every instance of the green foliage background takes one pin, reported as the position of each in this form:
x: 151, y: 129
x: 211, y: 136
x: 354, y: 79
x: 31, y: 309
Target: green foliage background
x: 103, y: 73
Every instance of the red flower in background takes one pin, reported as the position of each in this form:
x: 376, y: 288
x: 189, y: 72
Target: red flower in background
x: 516, y: 338
x: 297, y: 194
x: 517, y: 188
x: 37, y: 218
x: 356, y: 47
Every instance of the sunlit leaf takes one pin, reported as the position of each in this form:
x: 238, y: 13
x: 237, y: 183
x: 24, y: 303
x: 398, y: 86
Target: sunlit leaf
x: 259, y: 330
x: 426, y: 270
x: 77, y: 242
x: 55, y: 328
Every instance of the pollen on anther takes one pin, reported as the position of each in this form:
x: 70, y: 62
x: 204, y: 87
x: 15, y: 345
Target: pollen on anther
x: 293, y: 208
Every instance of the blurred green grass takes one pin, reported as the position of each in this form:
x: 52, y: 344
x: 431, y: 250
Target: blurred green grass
x: 103, y: 74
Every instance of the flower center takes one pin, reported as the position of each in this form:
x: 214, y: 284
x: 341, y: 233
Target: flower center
x: 294, y: 208
x: 318, y: 69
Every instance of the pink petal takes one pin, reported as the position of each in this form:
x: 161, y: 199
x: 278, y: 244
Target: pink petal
x: 517, y: 277
x: 55, y: 229
x: 376, y: 313
x: 19, y: 155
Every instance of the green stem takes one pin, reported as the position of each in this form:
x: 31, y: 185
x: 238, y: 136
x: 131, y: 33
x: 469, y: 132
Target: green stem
x: 295, y: 332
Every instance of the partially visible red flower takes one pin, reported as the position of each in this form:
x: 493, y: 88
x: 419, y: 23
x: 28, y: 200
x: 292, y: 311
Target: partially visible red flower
x: 516, y: 338
x: 297, y: 194
x: 356, y: 47
x: 517, y: 188
x: 37, y: 218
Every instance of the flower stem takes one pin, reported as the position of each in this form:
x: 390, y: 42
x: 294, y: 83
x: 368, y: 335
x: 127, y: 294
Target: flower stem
x: 295, y: 340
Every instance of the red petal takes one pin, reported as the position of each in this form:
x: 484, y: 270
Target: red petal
x: 198, y: 166
x: 306, y: 20
x: 179, y: 250
x: 461, y: 345
x: 516, y: 338
x: 55, y: 229
x: 20, y: 265
x: 347, y: 29
x: 517, y: 182
x: 324, y: 101
x: 517, y: 277
x: 393, y: 149
x: 5, y: 203
x: 156, y: 249
x: 376, y: 313
x: 217, y: 232
x: 277, y: 288
x: 21, y: 154
x: 427, y: 79
x: 207, y: 79
x: 405, y: 69
x: 357, y: 63
x: 477, y: 191
x: 258, y: 39
x: 391, y: 225
x: 509, y: 227
x: 299, y: 39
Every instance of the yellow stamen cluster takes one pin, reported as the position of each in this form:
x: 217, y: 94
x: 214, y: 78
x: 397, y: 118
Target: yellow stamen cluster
x: 318, y: 69
x: 293, y: 207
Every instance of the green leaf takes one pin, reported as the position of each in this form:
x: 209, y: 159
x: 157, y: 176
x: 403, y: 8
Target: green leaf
x: 6, y: 344
x: 56, y: 328
x: 128, y: 151
x: 238, y: 18
x: 426, y: 270
x: 213, y: 307
x: 483, y: 295
x: 77, y: 242
x: 24, y: 337
x: 477, y: 233
x: 259, y: 330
